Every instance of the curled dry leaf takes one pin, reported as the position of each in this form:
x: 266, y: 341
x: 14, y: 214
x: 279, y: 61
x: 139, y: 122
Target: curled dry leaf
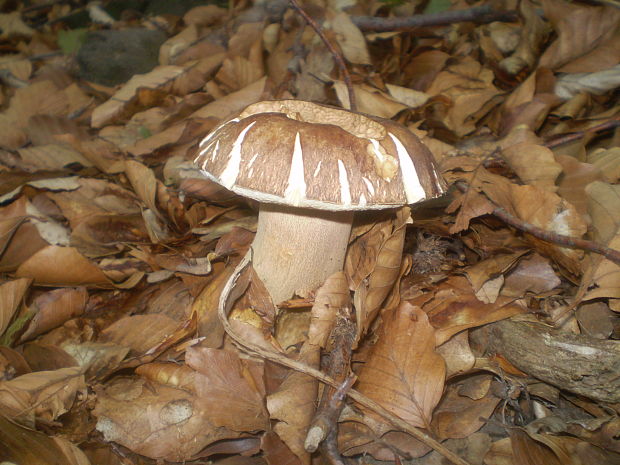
x: 349, y: 38
x: 276, y: 451
x: 527, y: 451
x: 169, y: 374
x: 373, y: 264
x: 127, y: 99
x: 331, y: 296
x: 454, y: 307
x: 43, y: 394
x: 575, y: 177
x: 205, y: 306
x: 403, y: 372
x: 608, y: 162
x: 293, y: 404
x: 457, y: 354
x: 53, y: 308
x: 12, y: 295
x: 541, y: 208
x: 534, y: 164
x: 485, y: 270
x: 602, y: 276
x: 232, y: 103
x: 532, y: 38
x: 581, y: 29
x: 47, y: 357
x: 369, y: 100
x: 97, y: 359
x: 144, y: 183
x: 19, y: 239
x: 470, y: 90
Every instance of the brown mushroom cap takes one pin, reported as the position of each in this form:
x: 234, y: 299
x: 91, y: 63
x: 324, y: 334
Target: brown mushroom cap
x: 305, y: 154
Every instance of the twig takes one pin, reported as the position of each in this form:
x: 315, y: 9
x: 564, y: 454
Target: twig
x: 338, y: 366
x: 479, y: 14
x: 337, y: 56
x: 566, y: 138
x: 336, y: 403
x: 549, y: 236
x: 280, y: 359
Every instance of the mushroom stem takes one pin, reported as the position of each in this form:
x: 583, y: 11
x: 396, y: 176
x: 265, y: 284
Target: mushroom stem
x: 296, y: 249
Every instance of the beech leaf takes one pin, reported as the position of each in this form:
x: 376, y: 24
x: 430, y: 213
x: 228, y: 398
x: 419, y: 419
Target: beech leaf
x: 404, y: 373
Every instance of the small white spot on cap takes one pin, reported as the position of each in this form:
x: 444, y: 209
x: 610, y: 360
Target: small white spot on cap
x: 362, y: 201
x: 411, y: 182
x: 318, y: 168
x: 345, y: 189
x: 369, y: 186
x: 230, y: 173
x: 296, y: 189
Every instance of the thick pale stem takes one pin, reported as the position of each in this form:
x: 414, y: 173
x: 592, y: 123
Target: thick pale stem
x: 296, y: 249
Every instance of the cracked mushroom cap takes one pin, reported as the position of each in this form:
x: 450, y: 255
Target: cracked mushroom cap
x: 304, y: 154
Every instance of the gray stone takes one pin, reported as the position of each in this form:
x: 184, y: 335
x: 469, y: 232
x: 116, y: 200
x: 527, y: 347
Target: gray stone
x: 112, y: 57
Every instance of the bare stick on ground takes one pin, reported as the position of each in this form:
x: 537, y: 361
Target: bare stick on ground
x: 550, y: 236
x: 480, y: 14
x: 570, y: 137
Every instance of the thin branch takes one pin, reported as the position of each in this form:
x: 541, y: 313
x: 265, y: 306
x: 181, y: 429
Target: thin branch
x: 479, y: 14
x: 566, y: 138
x: 335, y: 53
x: 550, y: 236
x: 252, y: 348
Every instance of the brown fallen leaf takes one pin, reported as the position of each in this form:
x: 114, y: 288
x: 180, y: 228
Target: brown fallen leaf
x: 533, y: 35
x: 12, y: 295
x: 25, y: 445
x: 581, y: 29
x: 276, y: 451
x: 53, y: 308
x: 140, y: 332
x: 349, y: 38
x: 19, y: 238
x: 457, y: 354
x: 602, y: 276
x: 534, y: 164
x: 458, y: 416
x: 229, y: 389
x: 44, y: 394
x: 331, y: 296
x: 146, y: 90
x: 373, y: 264
x: 76, y: 270
x: 154, y: 420
x: 403, y: 372
x: 293, y: 404
x: 47, y: 357
x: 455, y: 307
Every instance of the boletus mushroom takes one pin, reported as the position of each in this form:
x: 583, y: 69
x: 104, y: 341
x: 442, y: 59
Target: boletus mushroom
x: 310, y: 167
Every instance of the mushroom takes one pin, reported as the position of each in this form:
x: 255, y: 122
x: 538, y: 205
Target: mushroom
x: 310, y: 167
